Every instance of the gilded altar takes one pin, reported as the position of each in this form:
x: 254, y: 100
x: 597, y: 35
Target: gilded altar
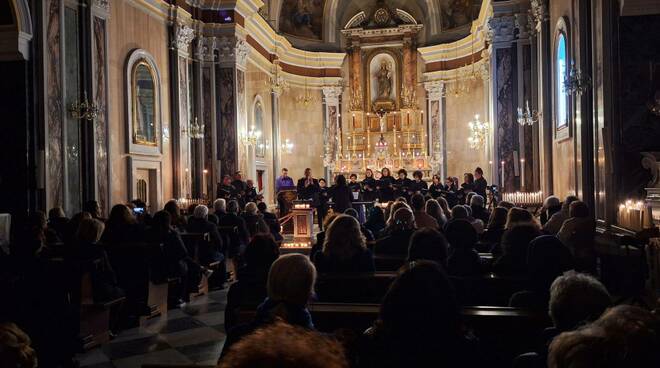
x: 385, y: 126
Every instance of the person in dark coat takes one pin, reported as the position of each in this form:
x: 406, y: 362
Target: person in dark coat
x: 401, y: 229
x: 428, y: 244
x: 375, y: 221
x: 355, y: 186
x: 199, y: 223
x: 463, y: 258
x: 241, y: 188
x: 307, y: 186
x: 417, y: 185
x: 226, y: 190
x: 436, y: 189
x: 340, y: 194
x: 271, y: 220
x: 230, y: 218
x: 515, y: 243
x: 122, y: 227
x: 385, y: 186
x: 322, y: 206
x: 58, y: 226
x: 369, y: 187
x: 480, y: 183
x: 250, y: 289
x: 495, y: 229
x: 402, y: 184
x: 419, y: 324
x: 368, y: 235
x: 344, y: 248
x: 179, y: 221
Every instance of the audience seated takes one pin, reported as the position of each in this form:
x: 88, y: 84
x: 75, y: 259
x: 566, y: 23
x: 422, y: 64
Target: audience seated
x: 419, y: 324
x: 547, y: 258
x: 624, y: 336
x: 15, y: 348
x: 230, y: 218
x: 492, y: 237
x: 515, y: 242
x: 422, y: 219
x: 463, y: 258
x: 290, y: 286
x: 575, y: 299
x: 122, y: 227
x: 320, y: 236
x: 433, y: 209
x: 200, y: 224
x: 285, y: 346
x: 177, y: 261
x: 428, y: 244
x: 87, y: 249
x: 401, y: 228
x: 58, y: 226
x: 250, y: 289
x: 179, y: 221
x: 344, y: 248
x: 368, y: 235
x: 253, y: 220
x: 551, y: 205
x: 271, y: 220
x: 577, y: 233
x: 479, y: 211
x: 375, y: 221
x: 444, y: 205
x: 555, y: 222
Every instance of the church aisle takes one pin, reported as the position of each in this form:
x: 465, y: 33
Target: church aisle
x: 194, y: 334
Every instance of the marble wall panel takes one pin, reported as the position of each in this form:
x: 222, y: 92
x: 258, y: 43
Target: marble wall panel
x: 228, y: 135
x: 54, y: 108
x: 100, y: 129
x: 507, y: 129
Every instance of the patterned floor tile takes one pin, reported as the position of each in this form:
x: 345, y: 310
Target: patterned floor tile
x: 174, y: 325
x: 212, y: 319
x: 123, y: 349
x: 169, y: 356
x: 193, y: 336
x: 206, y: 353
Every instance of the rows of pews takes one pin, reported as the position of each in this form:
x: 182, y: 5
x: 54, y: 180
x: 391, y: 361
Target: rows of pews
x: 348, y: 304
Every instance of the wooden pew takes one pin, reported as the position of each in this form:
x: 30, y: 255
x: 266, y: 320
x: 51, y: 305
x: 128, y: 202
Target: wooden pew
x: 503, y: 332
x: 488, y: 289
x: 94, y: 315
x: 139, y: 273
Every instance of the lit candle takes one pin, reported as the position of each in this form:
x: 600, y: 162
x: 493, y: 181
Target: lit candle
x: 502, y: 179
x: 522, y: 174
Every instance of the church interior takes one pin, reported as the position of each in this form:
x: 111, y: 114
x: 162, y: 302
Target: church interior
x: 175, y: 175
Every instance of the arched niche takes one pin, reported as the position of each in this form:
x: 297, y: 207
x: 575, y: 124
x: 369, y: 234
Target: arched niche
x: 561, y: 64
x: 257, y: 121
x: 15, y: 30
x: 143, y: 104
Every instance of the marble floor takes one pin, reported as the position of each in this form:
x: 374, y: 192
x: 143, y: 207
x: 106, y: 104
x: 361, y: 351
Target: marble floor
x: 193, y: 334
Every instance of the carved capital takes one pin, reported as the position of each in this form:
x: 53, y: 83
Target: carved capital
x: 522, y: 25
x: 331, y: 94
x: 501, y: 29
x: 538, y: 13
x: 435, y: 89
x: 204, y: 48
x: 233, y: 49
x: 183, y: 36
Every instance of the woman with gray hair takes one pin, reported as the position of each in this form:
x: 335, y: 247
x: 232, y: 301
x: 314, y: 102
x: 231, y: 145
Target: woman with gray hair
x: 200, y: 224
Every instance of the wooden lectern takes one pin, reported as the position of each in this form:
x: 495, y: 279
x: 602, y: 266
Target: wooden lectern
x: 285, y: 198
x: 303, y: 220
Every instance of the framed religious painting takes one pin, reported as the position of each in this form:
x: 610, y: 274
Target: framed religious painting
x: 143, y: 104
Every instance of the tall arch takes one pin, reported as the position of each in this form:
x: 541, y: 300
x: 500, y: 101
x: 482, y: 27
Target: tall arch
x: 15, y: 37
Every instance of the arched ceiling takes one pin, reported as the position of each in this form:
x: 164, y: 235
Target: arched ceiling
x: 315, y: 24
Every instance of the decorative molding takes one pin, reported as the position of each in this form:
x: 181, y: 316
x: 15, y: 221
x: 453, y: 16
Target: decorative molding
x: 538, y: 13
x: 183, y: 36
x: 102, y: 5
x: 523, y: 25
x: 501, y: 29
x: 233, y: 49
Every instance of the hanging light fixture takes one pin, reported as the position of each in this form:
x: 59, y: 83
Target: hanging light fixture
x: 84, y: 110
x: 196, y: 131
x: 306, y: 98
x: 252, y: 137
x: 478, y: 132
x: 575, y: 82
x: 527, y: 116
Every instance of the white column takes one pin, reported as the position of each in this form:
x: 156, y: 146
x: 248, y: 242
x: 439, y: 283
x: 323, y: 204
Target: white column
x: 331, y: 96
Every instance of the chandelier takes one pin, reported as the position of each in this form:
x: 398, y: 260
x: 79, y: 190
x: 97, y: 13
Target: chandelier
x: 196, y: 131
x: 575, y: 82
x: 276, y: 81
x: 306, y: 98
x: 478, y: 132
x: 252, y: 137
x: 287, y: 146
x: 84, y: 110
x: 527, y: 116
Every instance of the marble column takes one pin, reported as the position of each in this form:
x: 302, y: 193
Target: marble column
x: 436, y: 127
x: 181, y: 38
x: 275, y: 93
x: 502, y: 87
x: 100, y: 12
x: 232, y: 116
x: 332, y: 127
x: 355, y: 72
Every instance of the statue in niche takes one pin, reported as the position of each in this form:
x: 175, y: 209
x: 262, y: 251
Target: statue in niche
x: 384, y: 77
